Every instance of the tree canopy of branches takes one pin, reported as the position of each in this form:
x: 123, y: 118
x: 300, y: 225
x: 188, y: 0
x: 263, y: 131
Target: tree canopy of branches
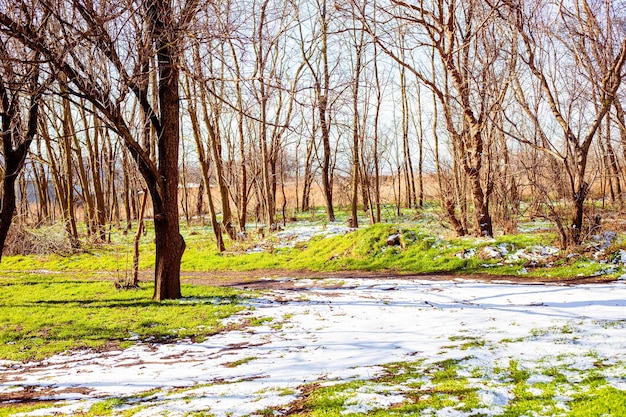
x: 500, y: 106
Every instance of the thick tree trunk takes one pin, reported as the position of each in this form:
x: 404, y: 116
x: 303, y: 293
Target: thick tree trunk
x: 8, y: 205
x: 481, y: 205
x: 577, y: 214
x: 170, y: 245
x: 579, y: 195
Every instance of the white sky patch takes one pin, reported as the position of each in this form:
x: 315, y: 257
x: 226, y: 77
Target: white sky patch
x: 319, y: 333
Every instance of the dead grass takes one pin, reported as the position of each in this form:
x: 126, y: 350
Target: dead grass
x: 42, y: 241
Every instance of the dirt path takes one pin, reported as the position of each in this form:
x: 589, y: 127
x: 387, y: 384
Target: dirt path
x: 283, y: 278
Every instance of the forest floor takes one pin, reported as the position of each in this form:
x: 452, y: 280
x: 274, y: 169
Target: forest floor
x: 359, y: 344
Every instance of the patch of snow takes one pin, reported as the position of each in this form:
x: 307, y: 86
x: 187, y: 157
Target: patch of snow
x: 618, y: 383
x: 365, y: 401
x: 534, y: 254
x: 495, y: 252
x: 499, y: 397
x: 539, y: 379
x: 466, y: 254
x: 603, y: 240
x: 344, y: 330
x: 300, y: 234
x: 620, y: 257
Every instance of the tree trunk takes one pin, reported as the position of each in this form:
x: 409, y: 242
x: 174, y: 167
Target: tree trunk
x: 41, y: 181
x: 218, y: 165
x: 14, y: 162
x: 68, y: 204
x: 140, y: 226
x: 579, y: 194
x: 376, y: 216
x: 8, y: 201
x: 420, y: 132
x: 97, y: 178
x: 481, y: 206
x: 309, y: 175
x: 446, y: 201
x: 204, y: 168
x: 88, y: 200
x: 128, y: 193
x: 613, y: 166
x: 210, y: 115
x: 326, y: 170
x: 170, y: 244
x: 323, y: 93
x: 356, y: 159
x: 15, y: 148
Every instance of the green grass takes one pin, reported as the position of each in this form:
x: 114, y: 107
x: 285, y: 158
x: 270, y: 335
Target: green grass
x: 601, y: 401
x: 422, y: 250
x: 427, y: 389
x: 417, y: 388
x: 45, y: 314
x: 10, y: 410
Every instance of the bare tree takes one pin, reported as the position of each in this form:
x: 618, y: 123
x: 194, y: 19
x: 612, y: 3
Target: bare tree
x: 107, y: 31
x: 316, y: 57
x: 473, y: 59
x: 211, y: 93
x: 572, y: 44
x: 18, y: 123
x: 204, y: 163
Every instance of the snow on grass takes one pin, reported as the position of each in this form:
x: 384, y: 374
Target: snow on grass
x: 368, y: 398
x: 320, y: 332
x: 292, y: 235
x: 534, y: 254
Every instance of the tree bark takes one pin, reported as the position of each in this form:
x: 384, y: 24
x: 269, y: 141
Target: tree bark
x: 96, y: 176
x: 67, y: 135
x: 15, y: 148
x: 170, y: 244
x: 204, y: 168
x: 323, y: 108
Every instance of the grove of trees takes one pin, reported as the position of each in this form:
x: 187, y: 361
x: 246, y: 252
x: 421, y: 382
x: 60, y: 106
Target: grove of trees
x: 492, y: 108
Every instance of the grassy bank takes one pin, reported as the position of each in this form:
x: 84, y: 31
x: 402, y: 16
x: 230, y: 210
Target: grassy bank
x: 408, y: 247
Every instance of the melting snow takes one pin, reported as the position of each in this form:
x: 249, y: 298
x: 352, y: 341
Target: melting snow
x: 322, y: 332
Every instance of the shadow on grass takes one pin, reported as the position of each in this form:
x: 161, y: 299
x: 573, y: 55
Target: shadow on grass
x: 127, y: 303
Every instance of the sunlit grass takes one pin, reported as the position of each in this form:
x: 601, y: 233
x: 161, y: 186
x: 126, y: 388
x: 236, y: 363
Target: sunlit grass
x: 45, y: 314
x: 423, y: 247
x: 443, y: 388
